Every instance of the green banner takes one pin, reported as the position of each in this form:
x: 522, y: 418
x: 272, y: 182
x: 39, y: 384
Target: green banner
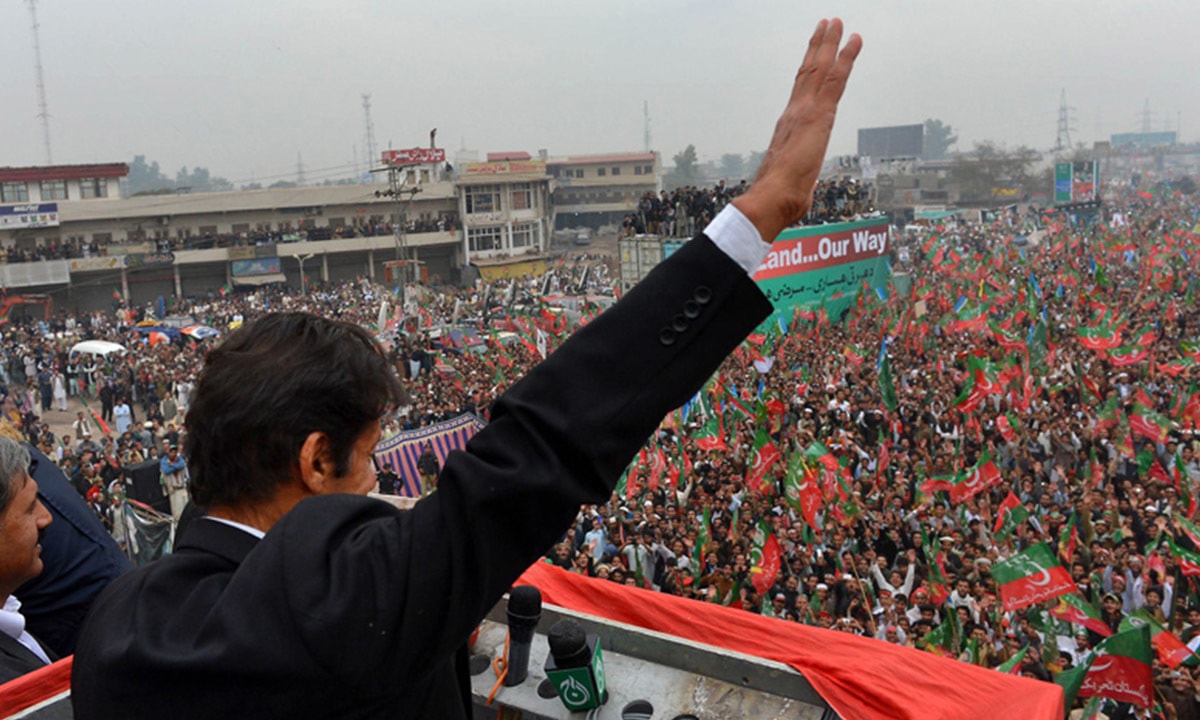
x: 825, y: 265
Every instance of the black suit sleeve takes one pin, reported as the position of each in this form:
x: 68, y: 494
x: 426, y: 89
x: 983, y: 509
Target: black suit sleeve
x: 560, y: 437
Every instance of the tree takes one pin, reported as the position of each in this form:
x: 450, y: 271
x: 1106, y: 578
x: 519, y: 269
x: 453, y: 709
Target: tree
x: 686, y: 171
x: 733, y: 167
x: 993, y: 172
x: 752, y: 165
x: 938, y: 139
x: 146, y: 177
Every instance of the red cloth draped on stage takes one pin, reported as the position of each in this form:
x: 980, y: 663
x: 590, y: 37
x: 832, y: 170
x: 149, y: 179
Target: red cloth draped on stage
x: 859, y: 677
x: 35, y: 687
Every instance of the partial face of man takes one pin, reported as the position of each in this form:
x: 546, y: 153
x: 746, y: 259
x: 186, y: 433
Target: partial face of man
x: 21, y: 526
x: 360, y: 477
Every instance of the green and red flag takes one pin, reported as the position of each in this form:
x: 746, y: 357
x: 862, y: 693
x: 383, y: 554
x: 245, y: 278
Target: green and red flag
x: 802, y: 490
x: 1099, y: 337
x: 1012, y: 666
x: 1009, y: 516
x: 766, y: 556
x: 970, y: 317
x: 887, y: 387
x: 1075, y: 609
x: 762, y: 459
x: 1145, y: 421
x: 1122, y: 670
x: 708, y: 437
x: 1171, y: 651
x: 1031, y: 576
x: 982, y: 476
x: 1127, y: 355
x: 1008, y: 425
x: 1189, y: 561
x: 703, y: 538
x: 1068, y: 539
x: 1070, y: 681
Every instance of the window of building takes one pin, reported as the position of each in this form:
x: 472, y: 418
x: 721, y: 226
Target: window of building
x: 616, y: 171
x: 93, y: 188
x: 522, y: 196
x: 579, y: 173
x: 648, y: 170
x: 522, y: 235
x: 334, y: 222
x: 54, y: 190
x: 208, y: 229
x: 484, y: 239
x: 637, y: 169
x: 101, y: 238
x: 599, y: 172
x: 12, y: 192
x: 483, y: 199
x: 240, y: 227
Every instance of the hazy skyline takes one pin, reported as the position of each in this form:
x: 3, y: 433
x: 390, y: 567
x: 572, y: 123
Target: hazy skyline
x: 243, y: 87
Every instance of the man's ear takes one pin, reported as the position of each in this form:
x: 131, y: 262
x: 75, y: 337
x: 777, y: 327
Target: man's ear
x: 316, y: 463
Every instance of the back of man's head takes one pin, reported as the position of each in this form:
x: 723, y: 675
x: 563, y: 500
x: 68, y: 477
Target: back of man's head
x: 267, y: 388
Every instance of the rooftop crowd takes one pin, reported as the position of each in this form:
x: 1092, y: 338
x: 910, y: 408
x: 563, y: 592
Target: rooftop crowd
x: 371, y: 226
x: 686, y: 210
x: 1069, y: 364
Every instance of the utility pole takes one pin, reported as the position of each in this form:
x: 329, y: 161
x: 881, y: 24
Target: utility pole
x: 397, y: 179
x: 646, y: 121
x: 366, y: 103
x: 299, y: 169
x: 303, y: 286
x: 1063, y: 141
x: 43, y: 113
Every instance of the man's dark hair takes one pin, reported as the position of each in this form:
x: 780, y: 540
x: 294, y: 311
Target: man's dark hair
x: 267, y: 387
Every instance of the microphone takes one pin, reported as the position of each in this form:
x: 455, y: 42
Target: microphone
x: 524, y: 610
x: 576, y: 666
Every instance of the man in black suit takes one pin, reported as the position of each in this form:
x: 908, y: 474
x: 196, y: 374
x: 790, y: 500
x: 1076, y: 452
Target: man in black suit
x: 296, y: 597
x: 22, y: 520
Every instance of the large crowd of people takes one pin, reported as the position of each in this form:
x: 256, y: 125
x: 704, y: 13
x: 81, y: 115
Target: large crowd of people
x: 1070, y: 365
x: 686, y: 210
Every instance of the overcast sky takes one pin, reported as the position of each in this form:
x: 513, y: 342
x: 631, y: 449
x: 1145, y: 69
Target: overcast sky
x: 242, y: 86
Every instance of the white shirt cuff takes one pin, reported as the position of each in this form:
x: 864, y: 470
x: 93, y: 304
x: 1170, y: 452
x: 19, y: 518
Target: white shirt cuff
x: 737, y: 237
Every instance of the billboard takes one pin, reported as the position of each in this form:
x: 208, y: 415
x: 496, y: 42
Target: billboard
x: 824, y: 265
x: 32, y: 215
x: 1077, y: 181
x: 413, y: 156
x: 507, y: 167
x: 1144, y: 140
x: 259, y: 266
x: 892, y: 141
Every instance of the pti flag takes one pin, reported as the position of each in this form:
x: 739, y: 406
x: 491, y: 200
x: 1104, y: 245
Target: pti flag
x: 1031, y: 576
x: 1171, y: 651
x: 1122, y: 669
x: 1078, y: 611
x: 765, y: 557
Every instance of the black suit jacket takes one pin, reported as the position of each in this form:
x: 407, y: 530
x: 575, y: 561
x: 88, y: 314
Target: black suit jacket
x: 351, y: 609
x: 16, y: 659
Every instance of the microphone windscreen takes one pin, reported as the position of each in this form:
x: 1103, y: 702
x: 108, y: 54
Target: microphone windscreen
x: 525, y: 601
x: 567, y: 638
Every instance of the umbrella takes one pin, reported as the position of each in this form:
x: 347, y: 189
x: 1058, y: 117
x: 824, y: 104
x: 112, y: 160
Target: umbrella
x: 200, y: 332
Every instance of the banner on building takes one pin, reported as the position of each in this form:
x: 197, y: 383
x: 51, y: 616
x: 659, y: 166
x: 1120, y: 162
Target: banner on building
x: 824, y: 265
x: 258, y: 266
x: 30, y: 215
x: 403, y: 450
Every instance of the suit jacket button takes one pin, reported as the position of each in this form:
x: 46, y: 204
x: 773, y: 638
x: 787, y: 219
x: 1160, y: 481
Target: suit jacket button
x: 691, y: 309
x: 666, y: 336
x: 679, y: 323
x: 702, y: 294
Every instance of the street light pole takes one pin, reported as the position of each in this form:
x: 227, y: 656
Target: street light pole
x: 302, y: 258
